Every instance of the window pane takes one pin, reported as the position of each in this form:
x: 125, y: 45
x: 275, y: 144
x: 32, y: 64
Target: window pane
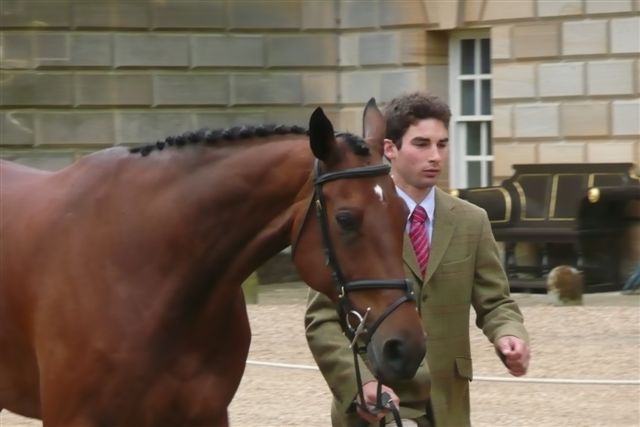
x: 473, y: 174
x: 467, y: 56
x: 489, y: 140
x: 485, y: 56
x: 489, y: 173
x: 486, y: 96
x: 468, y: 97
x: 473, y: 138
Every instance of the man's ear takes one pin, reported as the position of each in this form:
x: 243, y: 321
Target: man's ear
x: 390, y: 150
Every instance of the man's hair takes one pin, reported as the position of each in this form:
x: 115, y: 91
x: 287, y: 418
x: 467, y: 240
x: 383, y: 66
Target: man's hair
x: 405, y: 110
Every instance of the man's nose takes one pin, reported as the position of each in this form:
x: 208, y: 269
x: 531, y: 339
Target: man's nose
x: 434, y: 154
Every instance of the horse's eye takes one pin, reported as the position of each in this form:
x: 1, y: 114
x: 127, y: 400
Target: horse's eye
x: 347, y: 221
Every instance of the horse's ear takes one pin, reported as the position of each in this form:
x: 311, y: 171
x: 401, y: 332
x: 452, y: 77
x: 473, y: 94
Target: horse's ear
x: 321, y: 136
x: 374, y: 126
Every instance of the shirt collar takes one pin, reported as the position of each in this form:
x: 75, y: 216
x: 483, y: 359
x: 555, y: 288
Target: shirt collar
x: 428, y: 203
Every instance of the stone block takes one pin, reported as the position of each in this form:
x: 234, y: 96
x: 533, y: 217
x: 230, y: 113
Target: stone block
x: 358, y: 14
x: 290, y: 116
x: 585, y: 119
x: 35, y: 14
x: 437, y: 48
x: 413, y: 47
x: 73, y: 50
x: 497, y: 10
x: 71, y: 128
x: 36, y: 89
x: 610, y: 77
x: 135, y: 127
x: 15, y: 50
x: 188, y: 14
x: 626, y: 117
x: 501, y: 42
x: 191, y: 89
x: 514, y: 81
x: 536, y: 40
x: 320, y: 88
x: 52, y: 47
x: 552, y: 152
x: 227, y: 119
x: 318, y: 14
x: 625, y: 35
x: 407, y: 12
x: 608, y: 6
x: 473, y: 10
x: 16, y: 128
x: 610, y: 151
x: 142, y: 50
x: 502, y: 123
x: 550, y: 8
x: 379, y: 48
x: 437, y: 81
x: 40, y: 159
x: 228, y: 51
x: 396, y: 82
x: 349, y: 119
x: 561, y: 79
x: 507, y: 155
x: 536, y: 120
x: 359, y: 86
x: 261, y: 14
x: 111, y: 14
x: 349, y: 50
x: 285, y: 88
x: 584, y: 37
x: 302, y: 50
x: 113, y: 89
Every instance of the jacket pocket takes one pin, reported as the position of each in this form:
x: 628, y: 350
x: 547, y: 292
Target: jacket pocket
x: 464, y: 367
x: 454, y: 266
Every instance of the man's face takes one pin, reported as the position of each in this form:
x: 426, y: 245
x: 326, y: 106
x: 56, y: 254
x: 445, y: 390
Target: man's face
x: 418, y: 163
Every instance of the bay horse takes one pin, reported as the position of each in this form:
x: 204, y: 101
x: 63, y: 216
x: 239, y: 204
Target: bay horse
x: 120, y: 297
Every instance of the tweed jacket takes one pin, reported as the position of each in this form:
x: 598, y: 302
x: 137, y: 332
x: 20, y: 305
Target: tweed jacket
x: 464, y: 271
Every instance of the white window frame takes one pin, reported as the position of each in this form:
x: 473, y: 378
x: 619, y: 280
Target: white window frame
x: 458, y: 157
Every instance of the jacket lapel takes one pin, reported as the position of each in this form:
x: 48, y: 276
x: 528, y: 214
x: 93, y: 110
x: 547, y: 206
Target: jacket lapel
x: 442, y: 232
x: 409, y: 257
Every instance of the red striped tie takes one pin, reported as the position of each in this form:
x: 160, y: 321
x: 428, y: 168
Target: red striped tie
x: 419, y: 237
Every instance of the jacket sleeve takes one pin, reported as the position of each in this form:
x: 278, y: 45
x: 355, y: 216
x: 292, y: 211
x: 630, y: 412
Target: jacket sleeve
x: 497, y: 314
x: 330, y: 349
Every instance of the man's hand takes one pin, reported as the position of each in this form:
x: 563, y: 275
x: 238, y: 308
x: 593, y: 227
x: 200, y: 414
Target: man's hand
x: 514, y: 353
x: 370, y: 398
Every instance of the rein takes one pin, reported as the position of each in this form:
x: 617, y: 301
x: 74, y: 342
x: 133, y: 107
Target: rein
x: 343, y: 287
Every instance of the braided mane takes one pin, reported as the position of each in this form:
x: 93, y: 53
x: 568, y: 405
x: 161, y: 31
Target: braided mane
x: 214, y: 136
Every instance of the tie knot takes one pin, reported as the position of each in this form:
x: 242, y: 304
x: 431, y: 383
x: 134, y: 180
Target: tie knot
x: 419, y: 215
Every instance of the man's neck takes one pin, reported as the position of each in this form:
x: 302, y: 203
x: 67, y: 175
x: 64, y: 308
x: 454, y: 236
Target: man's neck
x: 417, y: 194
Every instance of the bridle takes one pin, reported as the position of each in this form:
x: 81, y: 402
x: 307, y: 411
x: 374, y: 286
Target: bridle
x: 343, y: 288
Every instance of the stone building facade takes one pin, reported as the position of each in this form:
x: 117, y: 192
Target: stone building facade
x: 549, y: 80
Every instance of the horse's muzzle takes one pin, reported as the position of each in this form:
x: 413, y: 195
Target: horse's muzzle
x: 396, y: 358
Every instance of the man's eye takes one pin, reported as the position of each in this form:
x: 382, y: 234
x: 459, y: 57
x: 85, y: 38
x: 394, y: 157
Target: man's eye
x: 347, y: 221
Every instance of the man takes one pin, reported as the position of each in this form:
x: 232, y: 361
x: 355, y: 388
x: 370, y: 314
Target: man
x: 454, y: 262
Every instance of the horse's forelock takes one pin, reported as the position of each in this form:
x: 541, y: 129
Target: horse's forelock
x: 355, y: 143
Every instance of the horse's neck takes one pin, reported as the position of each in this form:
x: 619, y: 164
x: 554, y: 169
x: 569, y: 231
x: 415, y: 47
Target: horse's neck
x: 238, y: 209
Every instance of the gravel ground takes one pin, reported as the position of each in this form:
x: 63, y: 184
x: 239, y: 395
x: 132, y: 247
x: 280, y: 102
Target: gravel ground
x: 599, y: 340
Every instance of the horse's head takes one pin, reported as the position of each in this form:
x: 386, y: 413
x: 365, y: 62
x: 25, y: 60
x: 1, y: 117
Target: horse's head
x: 350, y: 240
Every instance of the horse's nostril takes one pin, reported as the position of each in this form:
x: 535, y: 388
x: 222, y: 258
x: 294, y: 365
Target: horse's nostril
x: 394, y: 352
